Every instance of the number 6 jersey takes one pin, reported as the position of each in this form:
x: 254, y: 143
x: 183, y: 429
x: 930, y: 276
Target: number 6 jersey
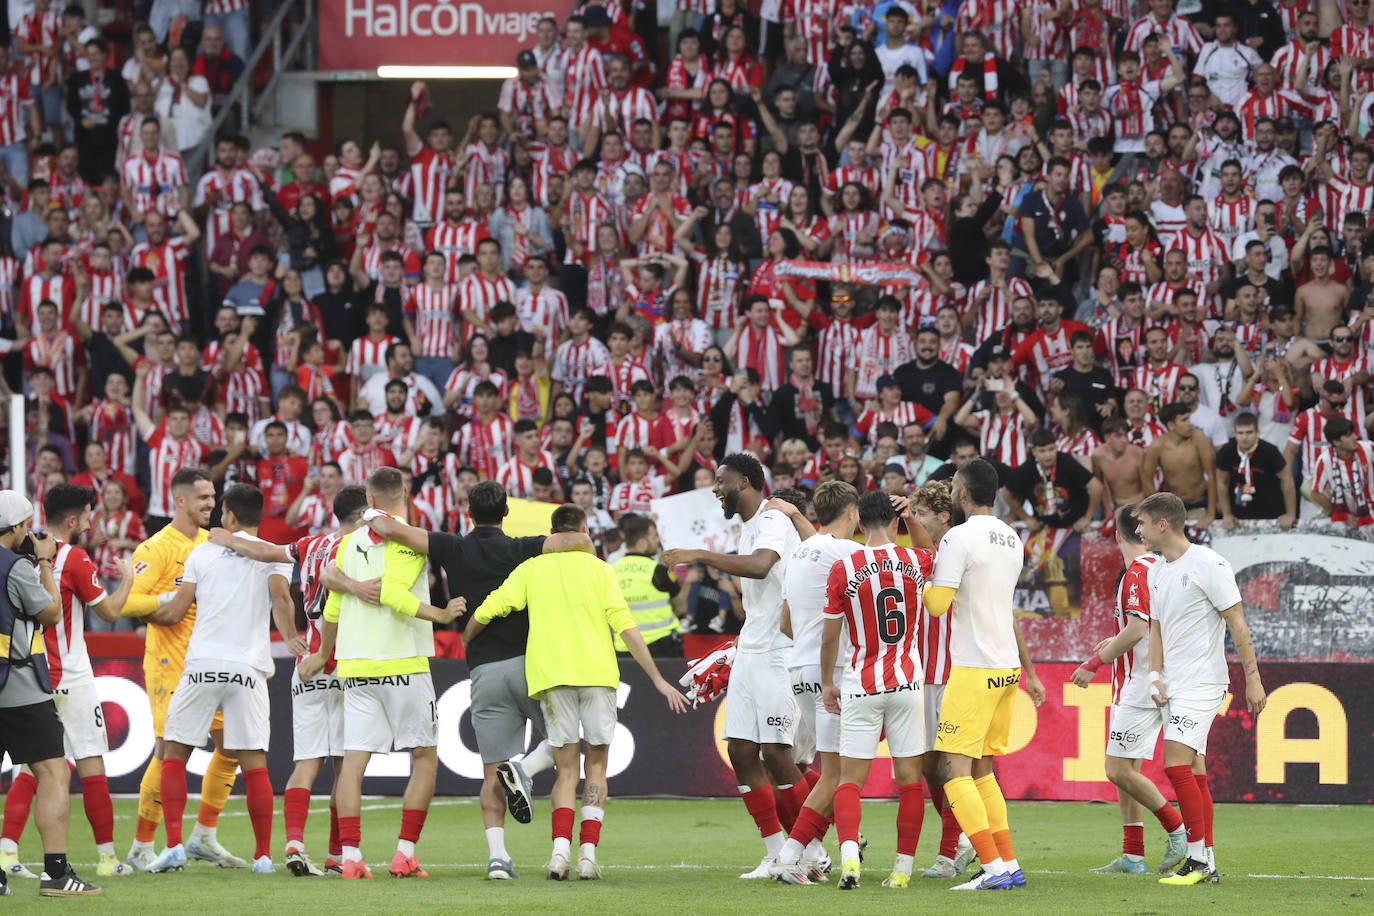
x: 877, y: 591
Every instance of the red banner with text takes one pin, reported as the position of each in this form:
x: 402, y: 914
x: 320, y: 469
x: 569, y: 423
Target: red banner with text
x: 367, y: 34
x: 1300, y: 749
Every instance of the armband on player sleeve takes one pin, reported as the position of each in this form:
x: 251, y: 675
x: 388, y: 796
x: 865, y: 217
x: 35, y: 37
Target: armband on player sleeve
x: 1093, y: 663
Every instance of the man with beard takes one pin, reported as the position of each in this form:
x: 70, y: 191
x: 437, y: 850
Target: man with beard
x: 930, y: 382
x: 760, y: 714
x: 1221, y: 379
x: 421, y: 395
x: 1047, y: 350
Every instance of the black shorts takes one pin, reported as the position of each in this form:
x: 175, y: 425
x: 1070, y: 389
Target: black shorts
x: 31, y: 733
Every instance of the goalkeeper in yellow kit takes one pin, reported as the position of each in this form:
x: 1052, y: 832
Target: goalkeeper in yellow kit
x: 158, y: 565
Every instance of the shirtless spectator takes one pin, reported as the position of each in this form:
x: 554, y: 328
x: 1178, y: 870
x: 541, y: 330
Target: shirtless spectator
x: 1286, y: 343
x: 1188, y: 464
x: 1060, y: 491
x: 1116, y: 465
x: 1319, y: 304
x: 1253, y: 480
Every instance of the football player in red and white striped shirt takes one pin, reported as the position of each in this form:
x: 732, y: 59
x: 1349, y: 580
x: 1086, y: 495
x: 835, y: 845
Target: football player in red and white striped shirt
x: 484, y: 443
x: 1135, y: 720
x: 874, y: 596
x: 482, y: 289
x: 517, y: 474
x: 67, y: 512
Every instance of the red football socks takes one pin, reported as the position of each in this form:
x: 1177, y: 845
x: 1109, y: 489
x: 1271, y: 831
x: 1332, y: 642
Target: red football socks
x: 258, y: 788
x: 1189, y: 801
x: 17, y: 805
x: 173, y: 798
x: 763, y: 809
x: 911, y: 806
x: 295, y: 810
x: 95, y: 798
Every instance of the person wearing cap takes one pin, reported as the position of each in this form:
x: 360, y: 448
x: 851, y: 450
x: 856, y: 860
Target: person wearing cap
x: 526, y: 102
x: 30, y: 729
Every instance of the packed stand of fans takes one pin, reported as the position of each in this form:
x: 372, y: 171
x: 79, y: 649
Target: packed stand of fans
x: 1111, y: 249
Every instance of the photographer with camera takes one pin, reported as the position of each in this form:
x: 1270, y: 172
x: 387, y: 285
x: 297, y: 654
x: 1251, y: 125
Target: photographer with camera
x: 30, y: 730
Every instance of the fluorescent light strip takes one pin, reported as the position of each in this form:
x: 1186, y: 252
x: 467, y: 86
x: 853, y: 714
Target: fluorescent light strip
x: 406, y: 72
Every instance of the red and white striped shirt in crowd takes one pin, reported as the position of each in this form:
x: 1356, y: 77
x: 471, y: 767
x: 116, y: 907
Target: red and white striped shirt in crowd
x: 636, y: 496
x: 547, y: 309
x: 1281, y: 103
x: 762, y: 351
x: 1081, y: 444
x: 1349, y: 40
x: 9, y: 279
x: 238, y: 185
x: 1207, y: 253
x: 720, y: 282
x: 658, y: 231
x: 582, y: 215
x: 485, y: 447
x: 1231, y: 218
x: 617, y: 111
x: 527, y: 104
x: 813, y: 19
x: 464, y: 381
x: 878, y: 354
x: 691, y: 335
x: 1349, y: 482
x: 41, y: 29
x: 906, y: 413
x: 1002, y: 437
x: 154, y: 181
x: 584, y: 75
x: 1087, y: 125
x: 877, y: 592
x: 122, y: 525
x: 478, y: 293
x: 549, y: 161
x: 866, y: 176
x: 1287, y: 62
x: 1123, y: 346
x: 1354, y: 196
x: 435, y: 498
x: 342, y: 184
x: 206, y: 426
x: 112, y: 423
x: 1309, y: 432
x: 742, y: 73
x: 836, y: 347
x: 101, y: 288
x: 330, y: 442
x: 635, y: 431
x: 426, y: 181
x: 431, y: 313
x: 845, y: 229
x: 623, y: 375
x: 210, y: 356
x: 224, y: 7
x: 243, y: 391
x: 1163, y: 293
x: 315, y: 515
x: 680, y: 78
x: 957, y: 354
x: 397, y: 432
x: 517, y: 477
x: 1339, y: 370
x: 1160, y: 383
x: 482, y: 165
x: 574, y: 363
x: 168, y: 264
x: 311, y: 553
x: 519, y: 253
x: 1184, y: 39
x: 78, y: 580
x: 59, y: 289
x: 372, y: 259
x: 453, y: 240
x: 359, y: 461
x: 1133, y: 600
x: 167, y: 456
x: 994, y: 313
x: 999, y: 20
x: 367, y: 357
x: 1044, y: 353
x: 15, y: 97
x: 60, y: 352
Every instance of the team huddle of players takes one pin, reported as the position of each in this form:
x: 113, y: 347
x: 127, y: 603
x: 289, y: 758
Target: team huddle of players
x: 917, y: 645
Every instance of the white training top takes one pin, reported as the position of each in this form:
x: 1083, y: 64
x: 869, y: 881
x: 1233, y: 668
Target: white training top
x: 233, y: 607
x: 808, y: 570
x: 1187, y: 597
x: 762, y: 598
x: 982, y: 559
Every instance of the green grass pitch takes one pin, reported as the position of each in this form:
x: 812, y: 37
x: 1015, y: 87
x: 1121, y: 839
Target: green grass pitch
x: 663, y: 856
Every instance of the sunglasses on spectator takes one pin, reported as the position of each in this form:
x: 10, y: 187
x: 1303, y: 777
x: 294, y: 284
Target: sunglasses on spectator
x: 1344, y: 338
x: 1341, y: 403
x: 1187, y: 388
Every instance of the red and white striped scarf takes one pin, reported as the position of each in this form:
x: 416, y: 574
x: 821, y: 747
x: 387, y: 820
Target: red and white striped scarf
x: 989, y: 74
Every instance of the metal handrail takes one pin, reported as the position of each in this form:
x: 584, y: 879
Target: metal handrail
x: 240, y: 97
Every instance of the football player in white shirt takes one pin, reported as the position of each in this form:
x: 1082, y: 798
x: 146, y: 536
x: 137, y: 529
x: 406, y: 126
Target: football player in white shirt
x: 228, y: 661
x: 760, y: 715
x: 803, y: 859
x: 976, y: 571
x: 1194, y: 600
x: 1136, y: 721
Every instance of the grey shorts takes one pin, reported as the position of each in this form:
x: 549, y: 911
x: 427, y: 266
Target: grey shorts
x: 501, y: 705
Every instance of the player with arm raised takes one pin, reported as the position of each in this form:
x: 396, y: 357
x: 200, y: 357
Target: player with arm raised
x: 976, y: 571
x: 1194, y: 600
x: 228, y: 661
x: 316, y: 692
x: 158, y: 565
x: 383, y: 650
x: 760, y: 714
x: 874, y: 595
x: 1135, y: 720
x: 803, y: 859
x: 67, y: 514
